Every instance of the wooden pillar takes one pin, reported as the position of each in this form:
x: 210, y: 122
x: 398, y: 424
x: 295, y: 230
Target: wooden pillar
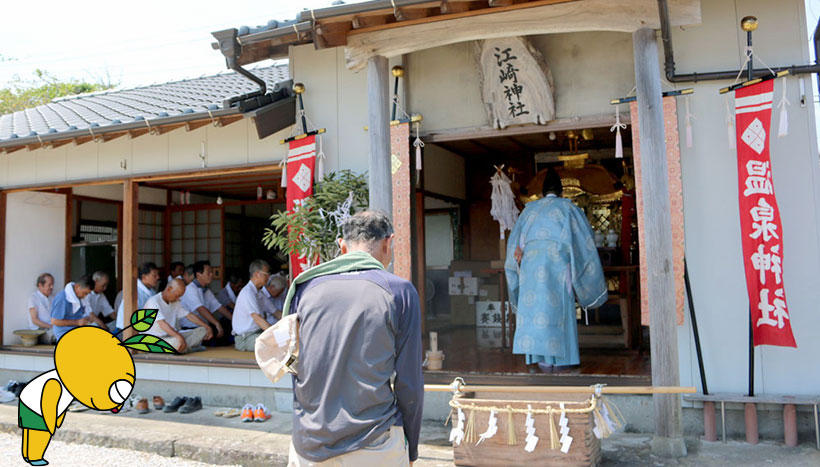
x: 668, y: 440
x: 69, y: 231
x: 130, y: 224
x: 378, y: 108
x: 3, y: 198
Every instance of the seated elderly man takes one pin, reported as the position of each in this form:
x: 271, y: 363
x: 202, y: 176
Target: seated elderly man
x: 148, y: 279
x: 248, y: 317
x: 169, y: 311
x: 68, y: 307
x: 272, y: 298
x: 227, y: 296
x: 39, y: 308
x: 201, y: 301
x: 98, y: 306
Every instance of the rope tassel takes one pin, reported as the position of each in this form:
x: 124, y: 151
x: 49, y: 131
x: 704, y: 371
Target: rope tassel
x: 617, y: 127
x: 469, y: 432
x: 511, y: 441
x: 554, y: 444
x: 284, y: 165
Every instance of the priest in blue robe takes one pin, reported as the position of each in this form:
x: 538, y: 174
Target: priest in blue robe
x: 552, y: 261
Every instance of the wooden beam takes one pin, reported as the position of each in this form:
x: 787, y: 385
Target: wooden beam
x: 191, y: 126
x: 166, y: 128
x: 359, y: 22
x: 3, y: 221
x: 225, y: 121
x: 130, y: 228
x: 450, y: 7
x: 113, y: 135
x: 82, y: 140
x: 137, y: 133
x: 561, y: 124
x: 668, y: 441
x: 69, y: 231
x: 520, y: 19
x: 378, y: 107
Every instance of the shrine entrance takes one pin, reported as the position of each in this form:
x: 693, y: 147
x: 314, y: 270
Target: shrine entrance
x: 465, y: 290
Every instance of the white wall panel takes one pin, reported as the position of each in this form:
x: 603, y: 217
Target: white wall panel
x: 114, y: 157
x: 50, y: 164
x: 150, y: 153
x: 81, y: 162
x: 227, y: 145
x: 22, y: 164
x: 35, y: 222
x: 267, y: 150
x: 184, y: 148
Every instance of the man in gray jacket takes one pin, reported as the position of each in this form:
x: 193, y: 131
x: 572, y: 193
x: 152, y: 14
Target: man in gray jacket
x: 358, y: 388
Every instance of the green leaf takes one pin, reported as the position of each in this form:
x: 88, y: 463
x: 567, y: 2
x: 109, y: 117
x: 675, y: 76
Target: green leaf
x: 142, y: 320
x: 148, y: 343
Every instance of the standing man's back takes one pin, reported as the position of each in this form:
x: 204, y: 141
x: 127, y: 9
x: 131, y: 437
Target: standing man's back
x: 360, y: 326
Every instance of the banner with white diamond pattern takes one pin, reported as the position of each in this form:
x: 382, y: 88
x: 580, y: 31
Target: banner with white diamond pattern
x: 760, y: 226
x: 300, y: 166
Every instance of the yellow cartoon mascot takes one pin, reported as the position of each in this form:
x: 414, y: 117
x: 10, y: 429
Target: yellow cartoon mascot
x: 93, y: 367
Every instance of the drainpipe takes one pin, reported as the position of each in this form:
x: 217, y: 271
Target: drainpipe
x: 669, y: 57
x: 231, y: 49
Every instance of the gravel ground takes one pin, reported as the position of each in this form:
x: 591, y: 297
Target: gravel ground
x: 60, y: 453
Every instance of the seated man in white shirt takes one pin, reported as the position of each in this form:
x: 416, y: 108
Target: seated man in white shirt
x: 248, y: 317
x: 188, y: 275
x: 170, y: 311
x: 98, y: 306
x: 272, y: 298
x: 148, y: 280
x: 202, y: 302
x: 39, y: 308
x: 227, y: 296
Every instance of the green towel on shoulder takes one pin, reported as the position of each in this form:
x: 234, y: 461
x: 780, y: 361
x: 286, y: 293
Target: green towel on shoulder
x: 353, y: 261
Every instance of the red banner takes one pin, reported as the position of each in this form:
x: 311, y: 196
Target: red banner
x: 761, y: 230
x: 300, y: 166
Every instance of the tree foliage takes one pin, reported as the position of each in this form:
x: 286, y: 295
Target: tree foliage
x: 313, y: 229
x: 21, y: 94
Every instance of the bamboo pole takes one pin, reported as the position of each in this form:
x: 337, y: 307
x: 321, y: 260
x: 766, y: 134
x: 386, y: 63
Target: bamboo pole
x: 564, y: 389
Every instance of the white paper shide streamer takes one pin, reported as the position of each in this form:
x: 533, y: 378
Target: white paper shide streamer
x: 492, y: 428
x: 531, y: 439
x: 689, y: 117
x: 503, y: 210
x: 563, y: 428
x: 730, y: 123
x: 783, y: 126
x: 457, y: 433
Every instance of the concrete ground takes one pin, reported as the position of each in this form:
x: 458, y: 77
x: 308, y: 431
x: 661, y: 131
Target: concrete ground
x: 95, y: 438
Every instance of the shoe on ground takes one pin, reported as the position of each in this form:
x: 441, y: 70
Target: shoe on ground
x: 191, y: 405
x: 261, y: 413
x: 39, y: 462
x: 159, y: 403
x: 231, y: 413
x: 175, y: 404
x: 142, y: 406
x: 247, y: 413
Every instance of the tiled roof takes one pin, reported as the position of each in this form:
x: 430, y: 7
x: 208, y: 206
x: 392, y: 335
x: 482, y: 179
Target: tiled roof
x: 188, y: 100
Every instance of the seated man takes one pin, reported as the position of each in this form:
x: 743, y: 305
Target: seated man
x: 177, y: 269
x: 169, y: 311
x: 68, y: 307
x: 272, y: 298
x: 227, y: 296
x: 201, y: 301
x: 248, y: 317
x: 39, y: 308
x: 148, y: 278
x: 188, y: 275
x: 98, y: 306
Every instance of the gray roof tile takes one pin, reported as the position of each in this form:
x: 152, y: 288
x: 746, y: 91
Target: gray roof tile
x: 119, y: 107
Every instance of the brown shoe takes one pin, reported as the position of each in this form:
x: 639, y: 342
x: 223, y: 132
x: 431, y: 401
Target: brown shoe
x: 159, y: 403
x: 141, y: 406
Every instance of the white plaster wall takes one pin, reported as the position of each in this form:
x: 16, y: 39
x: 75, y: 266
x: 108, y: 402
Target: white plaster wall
x: 233, y: 145
x: 35, y: 243
x: 711, y: 210
x: 147, y: 195
x: 447, y: 174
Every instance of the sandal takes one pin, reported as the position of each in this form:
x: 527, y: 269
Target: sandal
x: 231, y: 413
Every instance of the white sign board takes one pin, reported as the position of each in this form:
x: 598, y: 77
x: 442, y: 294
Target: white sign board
x: 516, y: 84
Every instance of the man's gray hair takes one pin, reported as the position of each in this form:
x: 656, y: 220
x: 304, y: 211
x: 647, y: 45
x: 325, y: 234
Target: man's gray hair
x: 367, y: 227
x: 278, y: 281
x: 258, y: 265
x: 175, y: 283
x: 99, y: 275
